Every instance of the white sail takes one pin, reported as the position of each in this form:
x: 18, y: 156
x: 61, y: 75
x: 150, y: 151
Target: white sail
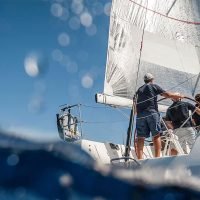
x: 156, y: 36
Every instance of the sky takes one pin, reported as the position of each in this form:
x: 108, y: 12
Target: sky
x: 53, y: 52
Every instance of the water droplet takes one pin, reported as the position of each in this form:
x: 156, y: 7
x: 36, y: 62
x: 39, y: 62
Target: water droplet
x: 65, y: 14
x: 66, y: 180
x: 86, y: 19
x: 107, y: 9
x: 77, y: 7
x: 87, y: 81
x: 35, y: 64
x: 13, y: 160
x: 64, y: 39
x: 56, y: 10
x: 31, y: 66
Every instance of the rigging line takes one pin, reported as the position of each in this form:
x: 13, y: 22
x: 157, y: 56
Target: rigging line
x: 156, y: 113
x: 103, y: 107
x: 123, y: 113
x: 119, y: 110
x: 175, y: 19
x: 141, y: 49
x: 103, y: 122
x: 183, y: 82
x: 171, y: 8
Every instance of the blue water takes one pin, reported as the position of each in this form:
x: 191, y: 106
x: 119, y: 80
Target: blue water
x: 60, y: 171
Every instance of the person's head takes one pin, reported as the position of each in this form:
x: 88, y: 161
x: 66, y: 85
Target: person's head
x: 197, y: 97
x: 148, y: 77
x: 175, y: 99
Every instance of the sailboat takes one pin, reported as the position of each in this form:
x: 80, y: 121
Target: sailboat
x: 156, y: 36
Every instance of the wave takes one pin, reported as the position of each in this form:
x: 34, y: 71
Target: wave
x: 60, y: 170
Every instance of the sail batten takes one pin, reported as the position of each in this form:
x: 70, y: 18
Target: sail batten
x: 155, y: 36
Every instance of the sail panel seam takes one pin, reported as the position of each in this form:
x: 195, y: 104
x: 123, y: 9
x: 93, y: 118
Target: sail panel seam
x: 158, y: 13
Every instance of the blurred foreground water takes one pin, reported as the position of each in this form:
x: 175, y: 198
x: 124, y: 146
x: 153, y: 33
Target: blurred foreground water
x: 59, y: 170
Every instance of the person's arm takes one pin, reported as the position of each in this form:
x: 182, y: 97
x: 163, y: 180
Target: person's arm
x: 169, y: 124
x: 193, y: 108
x: 193, y: 122
x: 168, y: 120
x: 160, y: 91
x: 172, y: 95
x: 197, y: 110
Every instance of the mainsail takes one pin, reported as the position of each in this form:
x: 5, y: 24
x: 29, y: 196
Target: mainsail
x: 156, y: 36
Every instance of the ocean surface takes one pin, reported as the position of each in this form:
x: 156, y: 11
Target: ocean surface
x: 31, y: 170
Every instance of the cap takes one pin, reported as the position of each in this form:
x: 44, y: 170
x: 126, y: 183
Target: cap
x: 148, y: 77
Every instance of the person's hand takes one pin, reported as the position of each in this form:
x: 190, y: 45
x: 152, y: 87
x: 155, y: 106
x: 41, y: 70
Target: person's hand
x: 179, y: 95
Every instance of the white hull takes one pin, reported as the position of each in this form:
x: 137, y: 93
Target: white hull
x: 105, y: 152
x: 190, y: 161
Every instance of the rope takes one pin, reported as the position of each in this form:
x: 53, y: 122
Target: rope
x: 103, y: 122
x: 88, y: 106
x: 123, y: 113
x: 163, y: 15
x: 168, y: 108
x: 185, y: 98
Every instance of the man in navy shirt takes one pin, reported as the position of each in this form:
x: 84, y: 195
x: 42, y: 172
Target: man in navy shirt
x: 148, y: 118
x: 196, y: 117
x: 178, y: 117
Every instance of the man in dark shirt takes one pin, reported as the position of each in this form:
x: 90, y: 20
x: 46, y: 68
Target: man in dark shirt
x: 148, y: 118
x: 179, y: 118
x: 196, y: 117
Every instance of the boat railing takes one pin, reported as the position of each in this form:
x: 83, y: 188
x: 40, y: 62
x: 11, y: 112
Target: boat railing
x: 67, y: 124
x: 125, y: 162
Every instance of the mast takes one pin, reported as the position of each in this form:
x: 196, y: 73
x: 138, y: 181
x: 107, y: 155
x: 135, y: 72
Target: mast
x: 129, y: 133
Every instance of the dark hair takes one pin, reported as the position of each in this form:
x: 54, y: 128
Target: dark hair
x: 147, y: 81
x: 197, y: 97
